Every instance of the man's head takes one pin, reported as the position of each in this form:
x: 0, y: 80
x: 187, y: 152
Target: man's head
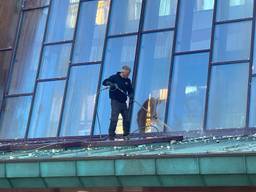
x: 125, y: 72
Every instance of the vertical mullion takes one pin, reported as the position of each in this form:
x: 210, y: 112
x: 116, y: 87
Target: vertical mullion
x: 38, y: 70
x: 250, y: 70
x: 137, y: 51
x: 210, y: 66
x: 174, y: 42
x: 14, y: 50
x: 101, y: 69
x: 69, y: 69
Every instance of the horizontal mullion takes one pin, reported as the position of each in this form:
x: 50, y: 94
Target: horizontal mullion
x: 52, y: 79
x: 35, y: 8
x: 192, y: 52
x: 233, y: 21
x: 57, y: 42
x: 19, y: 95
x: 6, y: 49
x: 86, y: 63
x: 158, y: 30
x: 122, y: 35
x: 230, y: 62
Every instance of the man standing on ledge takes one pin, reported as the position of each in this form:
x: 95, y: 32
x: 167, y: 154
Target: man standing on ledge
x: 120, y: 88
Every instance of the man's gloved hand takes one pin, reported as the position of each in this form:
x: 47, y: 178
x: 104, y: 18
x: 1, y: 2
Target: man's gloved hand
x: 131, y: 98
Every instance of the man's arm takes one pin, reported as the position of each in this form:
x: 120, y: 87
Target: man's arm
x: 109, y: 81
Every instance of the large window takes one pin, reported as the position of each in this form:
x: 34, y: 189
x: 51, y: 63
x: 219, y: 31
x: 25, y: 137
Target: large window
x: 14, y: 117
x: 234, y: 9
x: 188, y: 92
x: 47, y: 108
x: 152, y: 84
x: 28, y: 52
x: 80, y: 101
x: 227, y: 98
x: 120, y: 51
x: 91, y: 31
x: 125, y: 16
x: 55, y: 61
x: 195, y: 25
x: 160, y: 14
x: 62, y: 20
x: 232, y: 41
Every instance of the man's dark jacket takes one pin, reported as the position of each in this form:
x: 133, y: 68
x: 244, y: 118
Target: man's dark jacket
x: 123, y: 83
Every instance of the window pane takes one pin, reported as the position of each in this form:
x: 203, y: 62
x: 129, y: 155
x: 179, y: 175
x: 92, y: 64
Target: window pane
x: 125, y: 16
x: 9, y: 16
x: 62, y: 20
x: 79, y: 105
x: 234, y: 9
x: 120, y: 51
x: 160, y: 14
x: 91, y: 31
x: 46, y: 110
x: 14, y: 117
x: 55, y: 61
x: 188, y: 90
x: 152, y: 84
x: 228, y: 96
x: 5, y: 59
x: 35, y: 3
x: 252, y: 122
x: 194, y: 33
x: 232, y: 41
x: 27, y: 56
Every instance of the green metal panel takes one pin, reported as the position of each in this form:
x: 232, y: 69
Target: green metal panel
x: 58, y: 169
x: 4, y: 183
x: 107, y: 181
x: 177, y: 166
x: 95, y: 168
x: 27, y: 183
x: 226, y: 180
x: 182, y: 180
x: 63, y: 182
x: 251, y: 164
x: 2, y: 170
x: 135, y: 167
x: 222, y: 165
x: 143, y: 181
x: 22, y: 170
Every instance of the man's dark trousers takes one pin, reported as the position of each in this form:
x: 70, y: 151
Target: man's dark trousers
x: 117, y: 108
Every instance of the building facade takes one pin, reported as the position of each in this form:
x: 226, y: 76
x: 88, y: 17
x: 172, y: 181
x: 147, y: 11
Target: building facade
x: 193, y: 70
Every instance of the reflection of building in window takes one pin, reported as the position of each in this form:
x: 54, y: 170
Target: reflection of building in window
x: 236, y: 2
x: 102, y: 12
x: 134, y: 8
x: 204, y: 5
x: 165, y: 8
x: 72, y: 13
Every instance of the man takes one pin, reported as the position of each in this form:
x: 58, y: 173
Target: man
x: 120, y: 87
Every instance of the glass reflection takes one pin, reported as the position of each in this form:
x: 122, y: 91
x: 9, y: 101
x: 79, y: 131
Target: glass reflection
x: 252, y: 119
x: 232, y: 41
x: 91, y: 31
x: 14, y: 117
x: 152, y: 86
x: 234, y: 9
x: 125, y: 16
x: 55, y: 61
x: 28, y: 4
x: 28, y: 52
x: 46, y: 110
x: 228, y: 96
x: 160, y: 14
x: 62, y: 20
x: 188, y: 92
x: 195, y: 25
x: 120, y: 51
x: 80, y: 101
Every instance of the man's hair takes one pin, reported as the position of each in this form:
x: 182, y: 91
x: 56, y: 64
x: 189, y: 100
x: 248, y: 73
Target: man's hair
x: 126, y: 67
